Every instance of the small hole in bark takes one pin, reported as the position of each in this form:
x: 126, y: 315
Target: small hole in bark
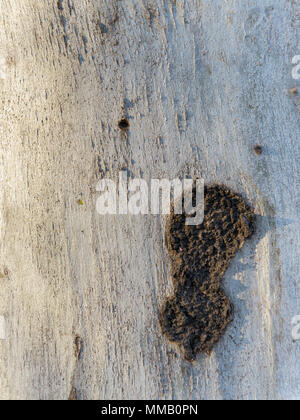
x: 258, y: 149
x: 294, y: 91
x: 60, y: 4
x: 124, y: 124
x: 198, y: 313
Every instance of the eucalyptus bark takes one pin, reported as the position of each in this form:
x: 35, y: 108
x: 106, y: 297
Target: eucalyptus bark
x: 201, y: 83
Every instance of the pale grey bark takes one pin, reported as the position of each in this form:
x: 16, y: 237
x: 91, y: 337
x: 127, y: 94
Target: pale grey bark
x: 201, y: 82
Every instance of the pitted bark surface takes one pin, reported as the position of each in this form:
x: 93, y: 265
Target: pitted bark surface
x: 199, y: 312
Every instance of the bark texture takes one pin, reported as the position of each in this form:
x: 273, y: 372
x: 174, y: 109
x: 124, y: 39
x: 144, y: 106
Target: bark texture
x: 201, y: 83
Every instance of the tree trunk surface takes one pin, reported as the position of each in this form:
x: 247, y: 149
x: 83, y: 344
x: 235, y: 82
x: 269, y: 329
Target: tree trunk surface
x: 201, y: 83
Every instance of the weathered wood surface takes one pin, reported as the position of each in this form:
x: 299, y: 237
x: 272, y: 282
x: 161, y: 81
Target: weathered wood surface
x: 202, y: 82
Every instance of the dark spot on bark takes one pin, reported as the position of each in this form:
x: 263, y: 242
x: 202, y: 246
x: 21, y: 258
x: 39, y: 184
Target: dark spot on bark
x: 258, y: 149
x: 73, y: 394
x: 103, y: 28
x: 294, y: 91
x: 78, y: 344
x: 124, y: 124
x: 66, y: 40
x: 198, y: 314
x: 80, y: 59
x: 85, y: 43
x: 115, y: 19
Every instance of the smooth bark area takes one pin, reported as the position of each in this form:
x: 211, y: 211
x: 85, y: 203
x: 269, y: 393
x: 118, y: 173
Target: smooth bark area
x: 201, y: 83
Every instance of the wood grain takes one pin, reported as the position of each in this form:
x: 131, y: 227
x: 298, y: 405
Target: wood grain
x: 201, y: 82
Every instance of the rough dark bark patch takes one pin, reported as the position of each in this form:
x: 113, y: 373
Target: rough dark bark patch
x: 199, y: 312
